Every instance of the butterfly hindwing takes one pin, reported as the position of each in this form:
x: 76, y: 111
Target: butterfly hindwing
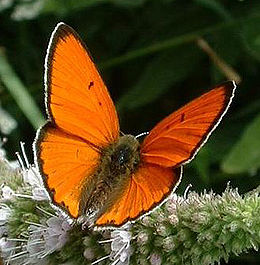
x: 177, y: 138
x: 67, y: 164
x: 146, y: 188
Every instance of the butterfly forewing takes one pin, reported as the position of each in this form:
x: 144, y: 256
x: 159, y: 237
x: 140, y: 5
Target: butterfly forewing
x: 77, y: 99
x: 177, y: 138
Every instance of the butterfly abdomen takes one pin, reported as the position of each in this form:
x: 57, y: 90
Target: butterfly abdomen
x: 118, y: 162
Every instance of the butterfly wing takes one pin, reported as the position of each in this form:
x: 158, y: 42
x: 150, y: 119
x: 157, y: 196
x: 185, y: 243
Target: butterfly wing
x: 177, y: 138
x: 77, y: 99
x: 82, y: 120
x: 67, y: 164
x: 149, y: 186
x: 172, y: 142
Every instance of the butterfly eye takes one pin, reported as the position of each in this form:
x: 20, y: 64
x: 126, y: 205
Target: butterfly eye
x: 121, y: 156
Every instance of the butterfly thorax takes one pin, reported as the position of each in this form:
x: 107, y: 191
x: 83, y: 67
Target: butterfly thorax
x: 122, y: 157
x: 117, y: 164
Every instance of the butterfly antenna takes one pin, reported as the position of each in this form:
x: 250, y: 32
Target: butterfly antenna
x: 23, y: 165
x: 22, y: 144
x: 141, y: 134
x: 185, y: 195
x: 20, y: 161
x: 122, y: 133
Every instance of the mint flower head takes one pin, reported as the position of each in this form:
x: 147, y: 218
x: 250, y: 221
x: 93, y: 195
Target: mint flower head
x: 191, y: 229
x: 47, y: 238
x: 199, y: 229
x: 31, y: 177
x: 120, y: 246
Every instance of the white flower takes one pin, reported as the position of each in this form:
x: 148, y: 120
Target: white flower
x: 35, y: 246
x: 7, y: 193
x: 5, y: 212
x: 120, y: 245
x: 155, y: 259
x: 56, y: 233
x: 6, y: 247
x: 39, y: 194
x: 47, y: 238
x: 171, y: 206
x: 32, y: 178
x: 44, y: 239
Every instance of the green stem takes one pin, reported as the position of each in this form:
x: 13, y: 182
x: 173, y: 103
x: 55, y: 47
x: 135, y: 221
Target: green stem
x: 19, y: 92
x: 173, y: 42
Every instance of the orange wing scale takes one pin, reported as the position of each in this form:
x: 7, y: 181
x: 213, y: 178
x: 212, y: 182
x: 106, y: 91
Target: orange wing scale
x: 67, y: 163
x: 177, y: 138
x: 146, y: 188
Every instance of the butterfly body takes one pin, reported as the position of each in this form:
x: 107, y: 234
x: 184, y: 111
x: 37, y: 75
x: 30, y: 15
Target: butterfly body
x: 117, y: 164
x: 89, y: 170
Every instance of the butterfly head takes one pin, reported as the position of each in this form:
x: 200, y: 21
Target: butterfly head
x: 124, y: 155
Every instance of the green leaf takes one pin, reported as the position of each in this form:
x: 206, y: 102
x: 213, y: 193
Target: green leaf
x: 215, y: 6
x: 251, y: 37
x: 128, y: 3
x: 202, y: 164
x: 65, y: 7
x: 160, y: 75
x: 245, y: 155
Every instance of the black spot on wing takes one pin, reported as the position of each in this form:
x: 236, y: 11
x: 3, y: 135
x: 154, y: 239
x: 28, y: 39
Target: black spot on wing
x: 91, y: 84
x: 182, y: 117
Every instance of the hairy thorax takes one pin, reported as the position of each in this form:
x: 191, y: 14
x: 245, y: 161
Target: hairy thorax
x: 118, y: 162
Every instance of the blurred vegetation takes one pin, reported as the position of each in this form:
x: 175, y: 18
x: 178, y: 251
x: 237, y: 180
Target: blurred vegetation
x: 149, y: 57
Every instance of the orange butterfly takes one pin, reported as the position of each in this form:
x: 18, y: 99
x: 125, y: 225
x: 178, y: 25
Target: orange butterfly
x: 90, y: 170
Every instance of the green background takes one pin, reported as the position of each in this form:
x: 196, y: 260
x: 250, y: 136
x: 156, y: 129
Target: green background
x: 148, y: 55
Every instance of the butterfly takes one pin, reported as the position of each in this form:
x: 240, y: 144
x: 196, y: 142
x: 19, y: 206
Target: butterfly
x: 88, y: 167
